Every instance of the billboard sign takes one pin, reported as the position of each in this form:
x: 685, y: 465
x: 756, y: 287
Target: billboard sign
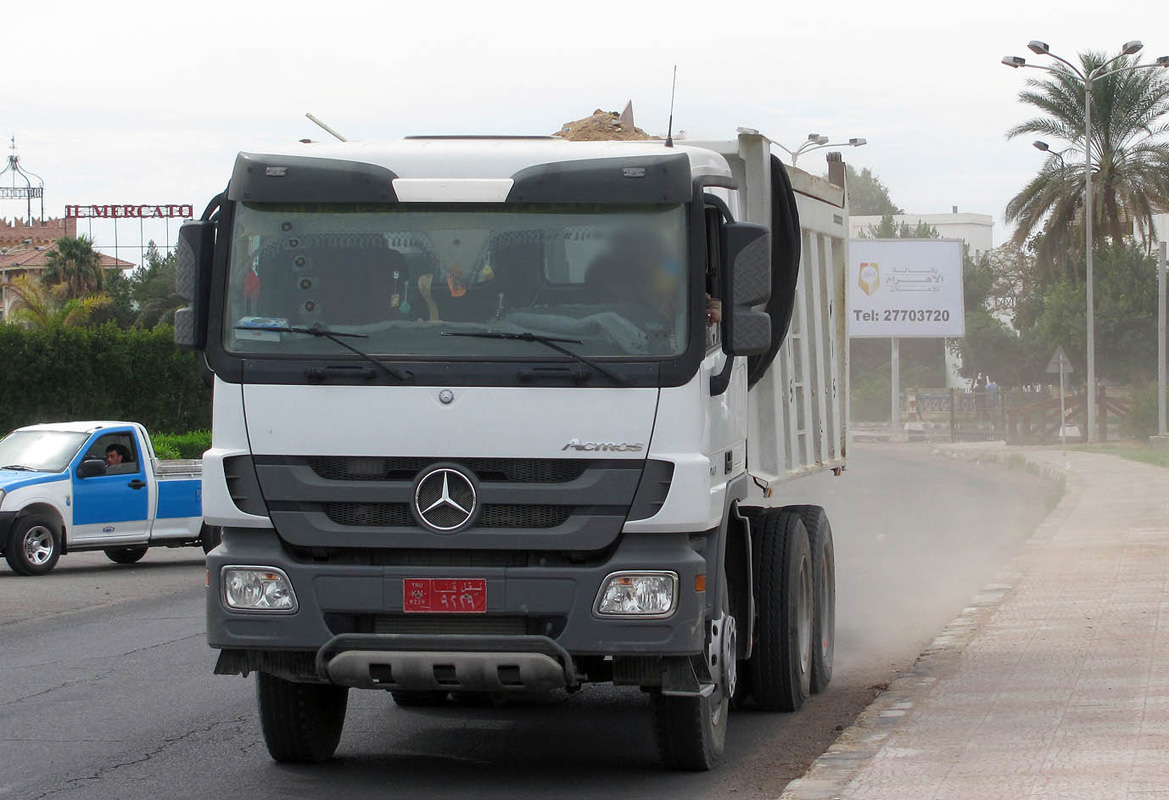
x: 905, y: 288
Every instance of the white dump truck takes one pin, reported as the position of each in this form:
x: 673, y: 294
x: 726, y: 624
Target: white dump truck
x: 503, y: 415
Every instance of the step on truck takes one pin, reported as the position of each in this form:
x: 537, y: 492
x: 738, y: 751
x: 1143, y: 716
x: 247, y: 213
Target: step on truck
x: 69, y: 487
x: 496, y: 416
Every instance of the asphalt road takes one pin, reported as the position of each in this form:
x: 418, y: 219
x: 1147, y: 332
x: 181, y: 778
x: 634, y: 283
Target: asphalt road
x: 108, y: 690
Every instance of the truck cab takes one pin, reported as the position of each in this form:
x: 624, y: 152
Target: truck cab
x: 482, y: 419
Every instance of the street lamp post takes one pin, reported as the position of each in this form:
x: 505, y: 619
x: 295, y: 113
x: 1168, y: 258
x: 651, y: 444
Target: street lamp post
x: 1087, y: 78
x: 1044, y: 147
x: 816, y: 141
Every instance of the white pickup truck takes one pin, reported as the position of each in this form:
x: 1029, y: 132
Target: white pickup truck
x: 73, y: 486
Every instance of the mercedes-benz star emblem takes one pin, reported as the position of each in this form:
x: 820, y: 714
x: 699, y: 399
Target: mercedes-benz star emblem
x: 445, y: 500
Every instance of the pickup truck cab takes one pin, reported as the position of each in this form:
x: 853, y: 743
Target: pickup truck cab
x: 74, y: 486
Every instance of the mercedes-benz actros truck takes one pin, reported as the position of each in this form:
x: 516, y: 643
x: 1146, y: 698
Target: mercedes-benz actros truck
x: 498, y: 415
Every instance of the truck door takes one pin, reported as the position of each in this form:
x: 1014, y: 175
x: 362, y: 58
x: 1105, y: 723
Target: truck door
x: 111, y: 508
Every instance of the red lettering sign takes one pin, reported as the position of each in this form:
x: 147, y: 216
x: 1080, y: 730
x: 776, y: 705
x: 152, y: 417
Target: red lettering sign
x: 145, y: 211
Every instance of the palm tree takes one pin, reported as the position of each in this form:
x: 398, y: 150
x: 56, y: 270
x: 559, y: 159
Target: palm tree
x: 76, y: 265
x: 1130, y: 161
x: 41, y: 307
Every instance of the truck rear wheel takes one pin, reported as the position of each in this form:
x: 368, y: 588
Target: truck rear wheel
x: 125, y: 555
x: 301, y: 722
x: 781, y: 665
x: 824, y: 586
x: 34, y: 545
x: 691, y: 732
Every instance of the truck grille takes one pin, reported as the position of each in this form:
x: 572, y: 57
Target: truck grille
x: 492, y: 516
x: 488, y: 470
x: 527, y: 504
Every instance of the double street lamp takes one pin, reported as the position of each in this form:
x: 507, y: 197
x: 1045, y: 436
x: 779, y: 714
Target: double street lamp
x: 1087, y: 78
x: 816, y: 141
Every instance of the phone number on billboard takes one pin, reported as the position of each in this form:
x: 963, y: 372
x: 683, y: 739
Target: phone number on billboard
x: 903, y: 315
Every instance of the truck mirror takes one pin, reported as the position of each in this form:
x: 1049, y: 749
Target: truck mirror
x: 196, y: 249
x: 91, y: 468
x: 746, y: 279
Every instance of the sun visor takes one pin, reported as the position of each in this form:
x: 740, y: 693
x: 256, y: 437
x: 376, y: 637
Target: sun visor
x: 631, y: 179
x: 300, y: 179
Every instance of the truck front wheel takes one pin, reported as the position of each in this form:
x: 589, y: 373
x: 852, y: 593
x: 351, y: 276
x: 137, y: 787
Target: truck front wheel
x: 691, y: 732
x: 301, y: 722
x: 34, y: 545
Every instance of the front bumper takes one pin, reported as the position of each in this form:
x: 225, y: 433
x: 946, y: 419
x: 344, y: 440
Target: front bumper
x: 349, y: 608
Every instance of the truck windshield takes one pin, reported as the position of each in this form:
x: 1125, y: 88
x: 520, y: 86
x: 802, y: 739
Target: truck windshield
x: 612, y: 279
x: 41, y: 451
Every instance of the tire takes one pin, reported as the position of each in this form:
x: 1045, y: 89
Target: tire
x: 34, y: 545
x: 125, y: 555
x: 781, y: 665
x: 691, y: 732
x: 419, y: 699
x: 210, y: 536
x: 302, y: 722
x: 824, y: 587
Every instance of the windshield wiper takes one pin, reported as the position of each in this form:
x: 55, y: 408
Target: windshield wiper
x: 20, y: 468
x: 551, y: 342
x: 321, y: 332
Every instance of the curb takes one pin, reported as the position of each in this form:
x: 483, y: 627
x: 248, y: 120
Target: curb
x: 829, y: 775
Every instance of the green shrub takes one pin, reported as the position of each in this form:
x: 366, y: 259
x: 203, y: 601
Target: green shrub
x: 181, y: 445
x: 64, y: 374
x: 1141, y: 421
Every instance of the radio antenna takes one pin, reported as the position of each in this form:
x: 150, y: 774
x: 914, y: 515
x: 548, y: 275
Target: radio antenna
x: 670, y: 130
x: 326, y: 128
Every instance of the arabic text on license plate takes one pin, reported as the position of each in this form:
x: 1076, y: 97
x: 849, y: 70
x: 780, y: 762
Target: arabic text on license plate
x: 444, y: 596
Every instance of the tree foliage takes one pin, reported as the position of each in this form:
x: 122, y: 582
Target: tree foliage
x: 153, y: 289
x: 888, y: 228
x: 1130, y: 160
x: 74, y: 265
x: 40, y: 306
x: 867, y: 195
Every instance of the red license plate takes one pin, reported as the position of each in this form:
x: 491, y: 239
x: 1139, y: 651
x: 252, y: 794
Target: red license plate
x: 444, y: 596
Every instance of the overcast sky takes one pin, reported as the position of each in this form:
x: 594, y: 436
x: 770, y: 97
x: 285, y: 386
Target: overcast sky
x: 128, y: 102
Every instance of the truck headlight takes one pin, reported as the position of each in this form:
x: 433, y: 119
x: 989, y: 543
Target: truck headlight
x: 638, y: 594
x: 1, y: 497
x: 257, y: 589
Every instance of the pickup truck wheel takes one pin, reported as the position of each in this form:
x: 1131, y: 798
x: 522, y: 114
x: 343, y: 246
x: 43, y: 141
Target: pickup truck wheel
x: 419, y: 699
x: 824, y: 588
x: 301, y: 722
x: 125, y: 555
x: 34, y: 545
x: 691, y: 732
x: 781, y: 665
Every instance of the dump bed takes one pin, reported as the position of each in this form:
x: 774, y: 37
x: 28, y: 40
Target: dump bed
x: 798, y: 411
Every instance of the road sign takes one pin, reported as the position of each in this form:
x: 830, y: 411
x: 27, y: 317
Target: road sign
x: 1058, y: 360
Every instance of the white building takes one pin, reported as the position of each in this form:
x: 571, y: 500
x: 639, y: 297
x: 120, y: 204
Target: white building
x: 976, y: 230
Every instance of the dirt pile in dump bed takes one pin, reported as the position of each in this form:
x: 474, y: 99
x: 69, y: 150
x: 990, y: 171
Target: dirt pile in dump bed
x: 603, y: 126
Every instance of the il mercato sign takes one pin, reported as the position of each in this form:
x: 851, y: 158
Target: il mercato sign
x: 129, y: 212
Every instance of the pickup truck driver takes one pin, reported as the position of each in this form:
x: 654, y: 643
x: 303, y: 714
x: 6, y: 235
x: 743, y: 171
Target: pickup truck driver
x: 116, y: 454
